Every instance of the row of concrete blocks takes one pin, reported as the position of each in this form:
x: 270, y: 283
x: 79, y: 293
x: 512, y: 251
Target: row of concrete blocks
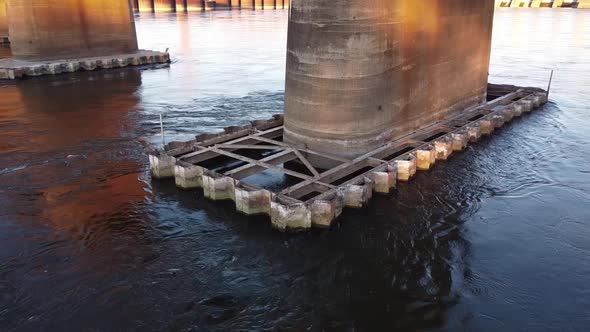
x: 543, y: 3
x: 78, y: 65
x: 287, y: 214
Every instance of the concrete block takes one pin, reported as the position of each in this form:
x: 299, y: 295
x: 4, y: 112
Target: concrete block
x: 188, y: 176
x: 498, y: 120
x: 425, y: 158
x: 460, y: 141
x: 324, y: 211
x: 252, y: 202
x: 162, y: 166
x: 474, y: 133
x: 443, y: 148
x: 290, y: 216
x: 218, y: 187
x: 33, y: 71
x: 385, y: 180
x: 345, y: 125
x: 536, y: 101
x: 357, y: 196
x: 544, y: 97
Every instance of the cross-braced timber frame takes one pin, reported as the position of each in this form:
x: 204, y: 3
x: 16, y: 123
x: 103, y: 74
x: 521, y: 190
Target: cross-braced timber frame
x: 220, y: 162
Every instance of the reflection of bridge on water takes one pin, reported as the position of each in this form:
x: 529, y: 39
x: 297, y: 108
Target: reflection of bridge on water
x: 202, y: 5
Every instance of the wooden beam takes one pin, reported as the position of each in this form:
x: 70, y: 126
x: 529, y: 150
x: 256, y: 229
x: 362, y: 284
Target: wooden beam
x: 205, y: 154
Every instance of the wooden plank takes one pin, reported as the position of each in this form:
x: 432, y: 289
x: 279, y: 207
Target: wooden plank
x: 229, y: 136
x: 185, y: 152
x: 329, y: 176
x: 249, y: 147
x: 327, y: 156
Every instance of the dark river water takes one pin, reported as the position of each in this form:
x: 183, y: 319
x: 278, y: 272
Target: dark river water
x: 497, y: 238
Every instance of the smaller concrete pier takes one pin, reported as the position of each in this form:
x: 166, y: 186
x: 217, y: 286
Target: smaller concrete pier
x: 49, y: 37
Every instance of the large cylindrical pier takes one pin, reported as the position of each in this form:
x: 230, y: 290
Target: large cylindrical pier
x: 363, y: 72
x: 46, y: 29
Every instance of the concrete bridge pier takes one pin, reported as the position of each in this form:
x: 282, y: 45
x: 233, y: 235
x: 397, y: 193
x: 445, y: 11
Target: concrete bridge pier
x: 3, y: 23
x: 541, y: 3
x: 362, y: 72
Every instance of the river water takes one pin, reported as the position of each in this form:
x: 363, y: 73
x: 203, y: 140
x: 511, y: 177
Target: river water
x: 497, y: 238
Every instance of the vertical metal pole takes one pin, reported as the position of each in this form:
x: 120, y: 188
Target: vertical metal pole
x: 549, y: 86
x: 162, y: 131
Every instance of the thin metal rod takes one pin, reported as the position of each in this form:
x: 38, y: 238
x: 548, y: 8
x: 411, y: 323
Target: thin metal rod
x: 549, y: 86
x: 162, y: 131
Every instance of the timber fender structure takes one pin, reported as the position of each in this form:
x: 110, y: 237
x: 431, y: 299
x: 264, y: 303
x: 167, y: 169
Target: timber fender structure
x: 11, y: 69
x: 321, y: 195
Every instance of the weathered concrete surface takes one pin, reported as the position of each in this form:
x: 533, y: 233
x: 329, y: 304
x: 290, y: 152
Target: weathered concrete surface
x: 11, y: 68
x: 3, y: 21
x: 360, y: 73
x: 165, y: 6
x: 158, y: 6
x: 46, y: 29
x: 520, y: 3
